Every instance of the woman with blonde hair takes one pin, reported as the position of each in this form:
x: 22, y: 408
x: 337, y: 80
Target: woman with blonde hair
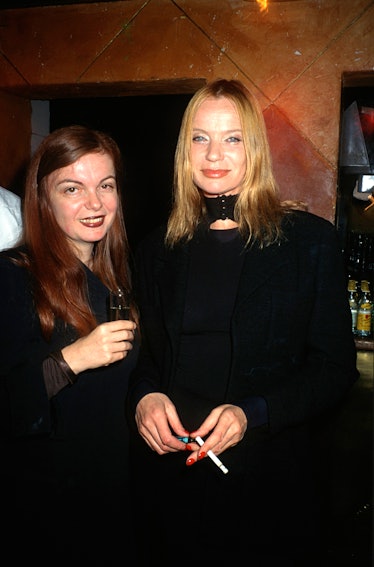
x: 257, y: 207
x: 246, y: 345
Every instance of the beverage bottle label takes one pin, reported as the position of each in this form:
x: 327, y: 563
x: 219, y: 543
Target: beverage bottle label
x: 364, y: 320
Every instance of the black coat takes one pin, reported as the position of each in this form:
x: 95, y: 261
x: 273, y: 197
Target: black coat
x: 64, y: 460
x: 291, y: 326
x: 292, y: 344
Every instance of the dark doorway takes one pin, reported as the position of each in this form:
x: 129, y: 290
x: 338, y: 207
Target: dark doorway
x: 146, y: 130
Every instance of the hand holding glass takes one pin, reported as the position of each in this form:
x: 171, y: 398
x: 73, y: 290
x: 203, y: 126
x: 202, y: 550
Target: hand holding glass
x: 119, y: 305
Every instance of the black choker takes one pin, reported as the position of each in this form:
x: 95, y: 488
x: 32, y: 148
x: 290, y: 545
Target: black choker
x: 221, y: 207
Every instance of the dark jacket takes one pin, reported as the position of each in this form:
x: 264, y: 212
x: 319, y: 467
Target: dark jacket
x: 292, y: 346
x: 91, y: 411
x: 291, y: 326
x: 64, y: 460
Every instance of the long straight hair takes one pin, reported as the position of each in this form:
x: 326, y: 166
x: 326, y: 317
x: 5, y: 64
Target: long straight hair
x: 258, y: 210
x: 58, y: 276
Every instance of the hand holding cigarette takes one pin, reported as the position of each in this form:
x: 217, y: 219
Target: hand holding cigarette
x: 212, y: 456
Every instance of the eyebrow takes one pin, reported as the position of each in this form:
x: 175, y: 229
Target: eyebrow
x: 225, y: 131
x: 76, y: 182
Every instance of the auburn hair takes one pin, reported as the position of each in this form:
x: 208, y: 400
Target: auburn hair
x: 58, y: 277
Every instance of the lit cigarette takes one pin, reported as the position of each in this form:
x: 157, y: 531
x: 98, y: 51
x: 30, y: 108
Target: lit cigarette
x: 214, y: 457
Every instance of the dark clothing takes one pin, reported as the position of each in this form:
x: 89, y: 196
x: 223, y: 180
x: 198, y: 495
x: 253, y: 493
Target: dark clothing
x: 65, y: 460
x: 270, y: 324
x: 215, y: 266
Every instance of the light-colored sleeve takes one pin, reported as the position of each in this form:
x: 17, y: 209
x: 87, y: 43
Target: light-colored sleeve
x: 10, y: 219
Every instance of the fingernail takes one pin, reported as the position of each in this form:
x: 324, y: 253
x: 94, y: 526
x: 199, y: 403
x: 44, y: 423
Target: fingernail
x: 188, y: 447
x: 190, y: 462
x: 201, y: 455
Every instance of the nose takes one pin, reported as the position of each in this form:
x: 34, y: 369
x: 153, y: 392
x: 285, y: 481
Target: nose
x: 214, y: 151
x: 93, y: 201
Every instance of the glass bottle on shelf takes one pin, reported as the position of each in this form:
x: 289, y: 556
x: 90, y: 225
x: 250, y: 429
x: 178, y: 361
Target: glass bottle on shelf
x: 359, y: 251
x: 365, y: 312
x: 352, y: 256
x: 352, y: 298
x: 367, y: 259
x: 360, y: 257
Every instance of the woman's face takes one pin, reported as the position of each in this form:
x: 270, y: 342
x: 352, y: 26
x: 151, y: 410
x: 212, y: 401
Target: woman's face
x: 217, y: 153
x: 84, y: 200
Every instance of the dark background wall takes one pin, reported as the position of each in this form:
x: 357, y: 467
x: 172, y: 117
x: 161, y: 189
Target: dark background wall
x: 146, y: 130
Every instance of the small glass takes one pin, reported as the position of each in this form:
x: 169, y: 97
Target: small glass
x: 119, y: 305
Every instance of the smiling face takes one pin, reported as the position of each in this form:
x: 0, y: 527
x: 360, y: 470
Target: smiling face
x: 217, y: 153
x: 84, y: 201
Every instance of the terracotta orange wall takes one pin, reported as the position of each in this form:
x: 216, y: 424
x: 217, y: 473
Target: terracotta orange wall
x: 292, y: 56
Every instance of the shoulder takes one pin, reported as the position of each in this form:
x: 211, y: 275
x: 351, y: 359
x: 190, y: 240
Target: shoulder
x: 15, y: 282
x: 10, y: 261
x: 10, y: 207
x: 307, y: 225
x: 152, y: 241
x: 9, y: 199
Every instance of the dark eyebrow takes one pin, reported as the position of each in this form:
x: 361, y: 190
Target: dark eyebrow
x: 76, y: 182
x: 70, y: 181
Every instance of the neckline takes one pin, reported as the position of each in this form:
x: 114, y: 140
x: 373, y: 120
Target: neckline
x: 225, y: 235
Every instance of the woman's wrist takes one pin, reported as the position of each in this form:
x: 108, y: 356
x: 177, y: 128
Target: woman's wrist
x: 64, y: 367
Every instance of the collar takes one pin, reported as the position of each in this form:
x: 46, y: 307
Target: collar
x: 221, y: 207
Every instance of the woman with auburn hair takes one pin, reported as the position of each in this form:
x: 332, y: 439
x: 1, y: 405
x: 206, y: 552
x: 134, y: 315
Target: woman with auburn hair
x: 64, y: 365
x: 246, y: 348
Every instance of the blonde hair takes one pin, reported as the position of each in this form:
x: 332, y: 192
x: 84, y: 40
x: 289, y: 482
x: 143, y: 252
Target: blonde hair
x: 258, y: 210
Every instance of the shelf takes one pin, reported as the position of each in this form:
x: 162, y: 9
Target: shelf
x: 364, y: 344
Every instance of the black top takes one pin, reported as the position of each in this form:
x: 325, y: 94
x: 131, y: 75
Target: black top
x: 205, y: 344
x: 66, y: 458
